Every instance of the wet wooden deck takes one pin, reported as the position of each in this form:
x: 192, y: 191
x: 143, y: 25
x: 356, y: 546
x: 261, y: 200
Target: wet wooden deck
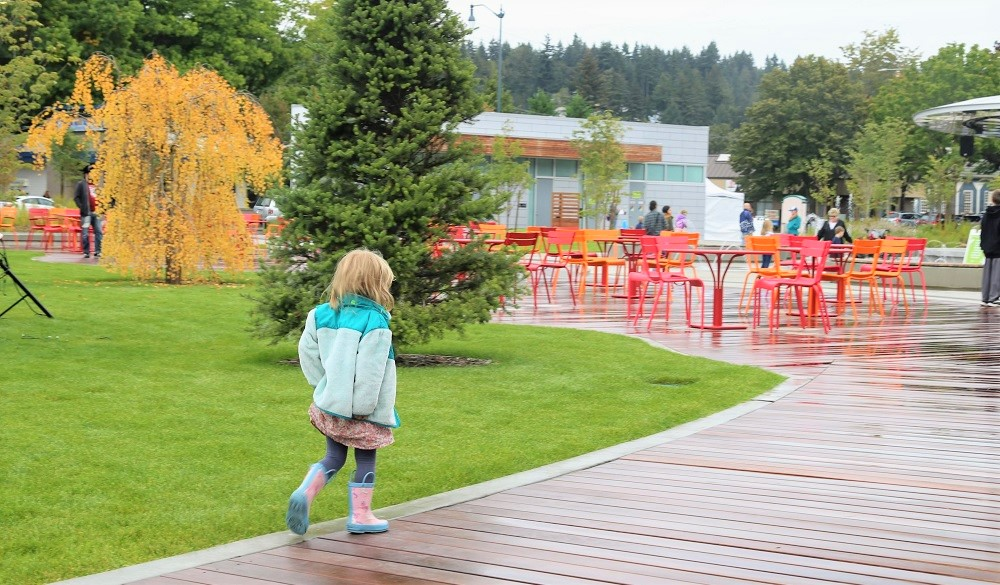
x: 884, y: 467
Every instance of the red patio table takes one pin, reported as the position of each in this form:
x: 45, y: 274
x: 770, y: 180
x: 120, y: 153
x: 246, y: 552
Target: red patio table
x: 630, y: 251
x: 719, y: 272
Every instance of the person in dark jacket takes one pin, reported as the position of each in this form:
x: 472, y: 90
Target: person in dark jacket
x: 654, y: 223
x: 989, y: 241
x: 828, y: 230
x: 85, y: 198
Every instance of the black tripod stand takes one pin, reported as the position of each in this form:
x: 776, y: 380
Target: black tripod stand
x: 5, y: 272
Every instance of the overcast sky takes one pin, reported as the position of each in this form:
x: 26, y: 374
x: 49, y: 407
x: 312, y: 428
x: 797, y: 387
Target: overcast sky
x: 786, y: 28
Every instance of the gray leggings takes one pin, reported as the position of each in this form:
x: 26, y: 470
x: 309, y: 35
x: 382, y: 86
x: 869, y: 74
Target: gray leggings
x: 336, y: 456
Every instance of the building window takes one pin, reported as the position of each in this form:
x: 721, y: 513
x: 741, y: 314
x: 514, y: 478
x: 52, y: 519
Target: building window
x: 694, y: 174
x: 654, y: 172
x: 675, y: 173
x: 565, y: 168
x: 543, y: 167
x: 636, y: 172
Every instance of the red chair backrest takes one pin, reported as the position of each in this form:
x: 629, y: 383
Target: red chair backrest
x: 813, y: 255
x: 559, y: 242
x: 526, y: 242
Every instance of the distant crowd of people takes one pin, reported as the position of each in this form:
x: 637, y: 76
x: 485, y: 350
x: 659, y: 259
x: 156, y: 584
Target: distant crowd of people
x: 662, y: 220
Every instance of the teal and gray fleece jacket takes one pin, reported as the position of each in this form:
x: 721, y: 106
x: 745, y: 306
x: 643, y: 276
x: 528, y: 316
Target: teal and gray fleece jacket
x: 346, y: 354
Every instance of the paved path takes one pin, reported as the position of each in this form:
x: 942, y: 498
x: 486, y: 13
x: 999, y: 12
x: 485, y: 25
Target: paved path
x: 877, y: 463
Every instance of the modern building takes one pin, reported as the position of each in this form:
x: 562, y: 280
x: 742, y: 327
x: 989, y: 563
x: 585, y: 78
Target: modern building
x: 666, y: 164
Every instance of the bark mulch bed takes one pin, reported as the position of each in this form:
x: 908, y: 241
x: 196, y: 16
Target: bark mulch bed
x: 417, y: 360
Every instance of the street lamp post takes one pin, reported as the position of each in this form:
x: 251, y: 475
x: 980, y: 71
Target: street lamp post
x: 472, y: 18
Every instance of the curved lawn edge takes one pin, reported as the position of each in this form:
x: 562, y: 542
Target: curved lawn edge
x: 449, y: 498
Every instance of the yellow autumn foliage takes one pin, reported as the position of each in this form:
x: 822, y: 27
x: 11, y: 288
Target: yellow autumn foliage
x: 170, y: 150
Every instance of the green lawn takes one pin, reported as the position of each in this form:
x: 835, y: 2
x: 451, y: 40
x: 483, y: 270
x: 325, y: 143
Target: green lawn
x: 143, y: 421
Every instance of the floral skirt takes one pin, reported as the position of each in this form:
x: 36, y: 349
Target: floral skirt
x: 353, y: 433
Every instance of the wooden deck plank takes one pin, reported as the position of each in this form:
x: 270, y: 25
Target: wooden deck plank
x: 882, y: 468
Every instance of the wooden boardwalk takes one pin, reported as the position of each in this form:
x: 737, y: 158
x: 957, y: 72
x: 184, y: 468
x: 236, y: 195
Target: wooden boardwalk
x: 882, y: 468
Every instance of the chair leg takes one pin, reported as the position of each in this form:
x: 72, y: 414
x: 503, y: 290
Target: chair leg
x: 746, y: 281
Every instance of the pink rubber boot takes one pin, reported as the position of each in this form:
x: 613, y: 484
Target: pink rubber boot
x: 360, y: 519
x: 297, y: 517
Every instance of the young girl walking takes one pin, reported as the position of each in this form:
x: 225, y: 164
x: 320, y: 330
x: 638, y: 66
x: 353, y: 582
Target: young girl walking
x: 347, y: 356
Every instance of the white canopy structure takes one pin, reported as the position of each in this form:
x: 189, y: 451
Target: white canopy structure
x: 975, y: 117
x: 722, y: 215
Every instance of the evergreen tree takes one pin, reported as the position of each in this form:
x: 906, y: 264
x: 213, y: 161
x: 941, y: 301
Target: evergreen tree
x: 542, y: 103
x: 577, y: 107
x: 380, y: 167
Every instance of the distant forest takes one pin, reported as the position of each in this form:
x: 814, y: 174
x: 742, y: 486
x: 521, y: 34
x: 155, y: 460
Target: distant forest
x: 636, y: 83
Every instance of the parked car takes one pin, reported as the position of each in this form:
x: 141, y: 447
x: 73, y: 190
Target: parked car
x: 267, y: 209
x: 32, y: 201
x: 902, y: 218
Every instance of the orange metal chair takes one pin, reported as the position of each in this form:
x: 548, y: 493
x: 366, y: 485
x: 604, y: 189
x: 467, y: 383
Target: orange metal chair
x: 889, y: 268
x: 914, y: 264
x: 8, y: 221
x: 275, y: 228
x: 493, y: 231
x: 860, y: 268
x: 809, y: 274
x: 596, y: 253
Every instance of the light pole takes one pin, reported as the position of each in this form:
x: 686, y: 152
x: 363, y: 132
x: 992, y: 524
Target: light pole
x: 472, y: 18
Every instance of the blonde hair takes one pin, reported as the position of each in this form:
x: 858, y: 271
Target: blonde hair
x: 364, y: 273
x: 767, y: 227
x: 833, y: 211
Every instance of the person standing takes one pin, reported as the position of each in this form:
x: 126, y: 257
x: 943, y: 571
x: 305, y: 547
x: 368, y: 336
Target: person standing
x: 654, y: 223
x: 794, y: 222
x: 766, y: 229
x: 668, y: 218
x: 989, y: 241
x: 828, y: 230
x: 85, y: 198
x: 746, y: 222
x: 346, y: 355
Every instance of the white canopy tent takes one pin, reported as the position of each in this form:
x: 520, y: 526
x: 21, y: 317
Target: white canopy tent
x: 722, y: 215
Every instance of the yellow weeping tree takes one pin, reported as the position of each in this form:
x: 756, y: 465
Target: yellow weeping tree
x: 171, y: 150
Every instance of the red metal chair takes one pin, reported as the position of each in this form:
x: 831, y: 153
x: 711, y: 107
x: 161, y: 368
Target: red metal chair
x: 37, y: 217
x: 809, y: 273
x: 526, y: 245
x: 71, y: 230
x: 55, y: 223
x: 557, y: 251
x: 654, y: 271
